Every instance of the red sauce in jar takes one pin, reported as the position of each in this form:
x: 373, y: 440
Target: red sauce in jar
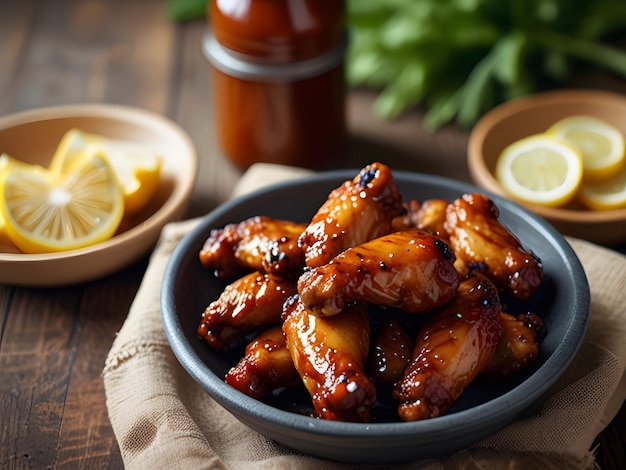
x: 278, y: 80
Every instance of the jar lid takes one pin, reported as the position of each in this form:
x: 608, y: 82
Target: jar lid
x: 249, y: 67
x: 280, y: 31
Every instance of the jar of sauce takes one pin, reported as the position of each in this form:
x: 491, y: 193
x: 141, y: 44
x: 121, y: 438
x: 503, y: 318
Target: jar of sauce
x: 278, y: 80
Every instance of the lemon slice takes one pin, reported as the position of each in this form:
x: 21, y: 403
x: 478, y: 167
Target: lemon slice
x: 137, y: 168
x: 45, y: 212
x: 600, y: 144
x: 541, y: 170
x: 607, y: 194
x: 138, y: 171
x: 7, y: 163
x: 71, y: 147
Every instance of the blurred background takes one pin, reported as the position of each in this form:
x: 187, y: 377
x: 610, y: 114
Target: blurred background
x: 420, y: 71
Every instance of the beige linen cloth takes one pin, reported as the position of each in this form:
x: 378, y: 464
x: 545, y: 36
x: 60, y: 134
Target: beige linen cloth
x: 163, y: 420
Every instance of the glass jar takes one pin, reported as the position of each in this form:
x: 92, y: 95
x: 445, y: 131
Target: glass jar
x: 278, y: 80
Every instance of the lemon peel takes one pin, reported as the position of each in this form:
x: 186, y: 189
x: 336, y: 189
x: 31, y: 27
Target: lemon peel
x: 608, y: 194
x: 138, y: 171
x: 4, y: 169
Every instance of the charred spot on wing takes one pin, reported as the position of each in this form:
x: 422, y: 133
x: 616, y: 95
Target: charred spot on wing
x: 367, y: 176
x: 274, y: 254
x: 489, y: 296
x: 445, y: 250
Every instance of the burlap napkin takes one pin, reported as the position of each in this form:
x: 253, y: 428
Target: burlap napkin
x: 162, y: 419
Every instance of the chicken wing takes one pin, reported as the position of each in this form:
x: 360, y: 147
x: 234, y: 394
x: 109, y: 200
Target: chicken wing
x: 359, y: 210
x: 518, y: 348
x: 480, y: 240
x: 452, y: 348
x: 251, y: 302
x: 390, y: 352
x: 266, y: 366
x: 330, y: 355
x: 404, y: 220
x: 259, y: 243
x: 410, y: 270
x: 429, y: 216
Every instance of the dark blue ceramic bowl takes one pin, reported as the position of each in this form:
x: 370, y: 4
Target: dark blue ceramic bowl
x: 484, y: 408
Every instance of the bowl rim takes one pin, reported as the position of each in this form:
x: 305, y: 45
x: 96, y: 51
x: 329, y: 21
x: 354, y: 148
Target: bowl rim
x: 180, y: 192
x: 480, y: 172
x: 481, y: 414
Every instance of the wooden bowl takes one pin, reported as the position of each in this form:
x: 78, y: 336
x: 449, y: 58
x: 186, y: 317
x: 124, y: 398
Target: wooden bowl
x: 534, y: 114
x: 32, y: 136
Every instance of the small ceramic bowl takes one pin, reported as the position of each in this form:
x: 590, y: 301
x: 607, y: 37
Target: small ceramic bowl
x: 32, y: 136
x: 484, y: 407
x: 522, y: 117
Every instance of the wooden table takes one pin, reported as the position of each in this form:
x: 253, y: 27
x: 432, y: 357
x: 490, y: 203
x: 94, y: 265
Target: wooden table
x: 54, y: 341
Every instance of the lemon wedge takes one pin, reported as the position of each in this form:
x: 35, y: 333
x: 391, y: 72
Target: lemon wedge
x: 137, y: 168
x: 7, y: 163
x: 540, y: 169
x: 600, y: 144
x: 607, y: 194
x: 138, y: 171
x: 46, y: 212
x: 4, y: 170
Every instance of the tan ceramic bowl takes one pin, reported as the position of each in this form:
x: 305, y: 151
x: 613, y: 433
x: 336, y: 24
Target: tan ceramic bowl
x: 32, y: 136
x: 530, y: 115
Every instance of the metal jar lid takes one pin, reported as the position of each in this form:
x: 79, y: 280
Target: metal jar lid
x: 252, y: 68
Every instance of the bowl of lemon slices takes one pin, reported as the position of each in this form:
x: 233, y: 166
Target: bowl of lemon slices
x: 85, y: 190
x: 562, y: 155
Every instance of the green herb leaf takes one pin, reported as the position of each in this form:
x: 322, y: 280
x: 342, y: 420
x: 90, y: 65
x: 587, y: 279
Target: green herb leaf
x: 473, y: 54
x: 182, y: 10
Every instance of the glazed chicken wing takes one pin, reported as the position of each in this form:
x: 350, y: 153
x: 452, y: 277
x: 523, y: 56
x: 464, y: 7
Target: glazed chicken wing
x: 452, y: 348
x: 404, y: 220
x: 330, y: 355
x: 257, y: 244
x: 480, y: 240
x: 253, y: 301
x: 357, y: 211
x: 409, y: 270
x: 266, y: 366
x: 518, y: 348
x: 390, y: 352
x: 429, y: 216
